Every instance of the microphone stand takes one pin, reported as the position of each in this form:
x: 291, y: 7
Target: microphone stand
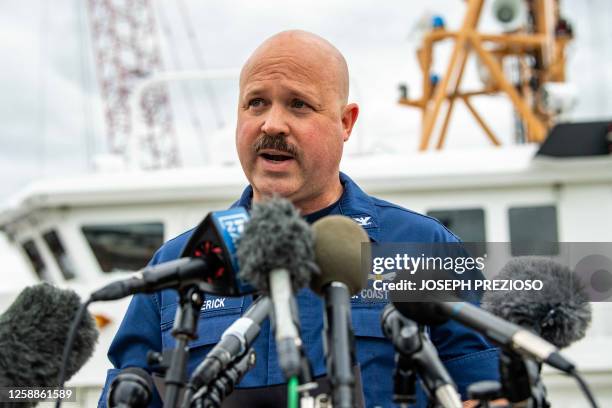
x: 300, y: 378
x: 415, y: 348
x: 538, y: 390
x: 521, y: 381
x: 404, y: 381
x: 339, y: 344
x: 184, y: 330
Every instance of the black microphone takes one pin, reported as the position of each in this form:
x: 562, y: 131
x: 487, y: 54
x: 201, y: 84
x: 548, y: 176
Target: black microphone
x: 173, y: 274
x: 338, y: 242
x: 33, y: 331
x: 212, y: 395
x: 276, y: 255
x: 410, y: 342
x: 523, y: 341
x: 208, y: 261
x: 234, y: 343
x: 132, y: 388
x: 559, y: 313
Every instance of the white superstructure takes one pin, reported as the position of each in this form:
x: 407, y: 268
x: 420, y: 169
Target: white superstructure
x: 486, y: 185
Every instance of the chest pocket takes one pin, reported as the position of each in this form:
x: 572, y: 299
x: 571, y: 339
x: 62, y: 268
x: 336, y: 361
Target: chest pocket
x: 216, y: 315
x: 366, y: 318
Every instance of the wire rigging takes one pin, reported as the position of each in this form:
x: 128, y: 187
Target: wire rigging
x: 198, y: 53
x: 196, y: 123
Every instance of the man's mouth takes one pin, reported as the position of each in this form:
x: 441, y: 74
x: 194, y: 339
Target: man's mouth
x: 276, y: 156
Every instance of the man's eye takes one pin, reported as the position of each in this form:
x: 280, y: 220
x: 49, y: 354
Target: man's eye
x: 298, y: 104
x: 256, y: 103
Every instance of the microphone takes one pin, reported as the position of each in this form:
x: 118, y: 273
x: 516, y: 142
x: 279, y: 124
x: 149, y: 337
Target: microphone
x: 132, y: 388
x: 499, y: 330
x: 338, y: 253
x: 212, y: 396
x: 560, y: 313
x: 337, y: 247
x: 208, y: 261
x: 33, y: 331
x: 234, y: 343
x: 276, y: 257
x: 410, y: 342
x: 178, y: 273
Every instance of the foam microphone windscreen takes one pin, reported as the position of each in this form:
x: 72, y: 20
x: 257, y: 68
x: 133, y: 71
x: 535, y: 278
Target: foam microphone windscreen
x: 338, y: 252
x: 559, y: 313
x: 276, y: 237
x: 33, y: 331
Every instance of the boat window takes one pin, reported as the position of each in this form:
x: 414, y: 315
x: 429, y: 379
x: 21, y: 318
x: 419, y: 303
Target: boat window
x: 31, y: 251
x: 124, y: 247
x: 533, y: 230
x: 56, y: 247
x: 468, y: 224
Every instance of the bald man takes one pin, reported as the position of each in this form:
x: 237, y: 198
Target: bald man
x: 293, y: 120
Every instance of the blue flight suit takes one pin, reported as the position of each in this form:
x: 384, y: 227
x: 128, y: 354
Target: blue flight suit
x: 149, y: 318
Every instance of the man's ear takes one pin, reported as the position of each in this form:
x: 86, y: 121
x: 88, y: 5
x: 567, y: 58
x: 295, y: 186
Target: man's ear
x: 349, y: 117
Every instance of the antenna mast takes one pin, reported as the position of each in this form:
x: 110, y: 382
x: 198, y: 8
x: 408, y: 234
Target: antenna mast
x: 126, y: 49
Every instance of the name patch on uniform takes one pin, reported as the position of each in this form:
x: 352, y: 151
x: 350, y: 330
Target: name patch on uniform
x: 215, y: 303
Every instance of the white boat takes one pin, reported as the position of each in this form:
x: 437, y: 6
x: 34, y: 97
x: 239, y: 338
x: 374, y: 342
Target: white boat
x: 84, y: 231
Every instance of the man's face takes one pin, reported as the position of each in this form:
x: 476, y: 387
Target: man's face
x: 291, y: 127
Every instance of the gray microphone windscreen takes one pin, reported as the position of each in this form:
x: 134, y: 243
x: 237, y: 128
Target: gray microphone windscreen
x: 33, y: 331
x: 276, y: 237
x: 338, y: 251
x: 559, y: 313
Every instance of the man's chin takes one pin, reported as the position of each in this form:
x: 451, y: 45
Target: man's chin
x: 270, y: 186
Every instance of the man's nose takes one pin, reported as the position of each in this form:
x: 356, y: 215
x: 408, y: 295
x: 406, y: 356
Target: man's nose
x: 275, y: 122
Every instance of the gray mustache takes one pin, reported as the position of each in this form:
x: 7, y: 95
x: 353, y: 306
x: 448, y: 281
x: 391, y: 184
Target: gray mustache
x: 277, y: 143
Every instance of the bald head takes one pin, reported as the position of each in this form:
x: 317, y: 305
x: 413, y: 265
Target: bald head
x: 305, y: 52
x: 293, y: 119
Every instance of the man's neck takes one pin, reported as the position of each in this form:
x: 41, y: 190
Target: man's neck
x: 321, y: 202
x: 313, y: 204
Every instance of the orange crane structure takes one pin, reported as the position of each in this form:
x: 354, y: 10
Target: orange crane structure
x: 538, y: 46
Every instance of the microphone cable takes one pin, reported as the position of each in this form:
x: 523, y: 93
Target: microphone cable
x: 584, y: 388
x: 68, y: 346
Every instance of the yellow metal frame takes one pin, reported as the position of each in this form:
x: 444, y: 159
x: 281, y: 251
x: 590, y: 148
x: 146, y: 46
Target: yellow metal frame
x: 491, y: 49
